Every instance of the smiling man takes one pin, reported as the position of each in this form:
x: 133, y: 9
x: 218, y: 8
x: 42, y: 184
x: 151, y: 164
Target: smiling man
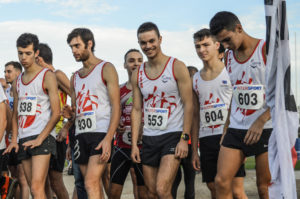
x: 162, y: 86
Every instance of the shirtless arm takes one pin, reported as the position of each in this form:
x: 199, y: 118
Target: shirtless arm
x: 136, y: 118
x: 63, y: 81
x: 110, y: 76
x: 3, y: 120
x: 195, y: 132
x: 185, y: 89
x: 50, y: 85
x: 254, y: 132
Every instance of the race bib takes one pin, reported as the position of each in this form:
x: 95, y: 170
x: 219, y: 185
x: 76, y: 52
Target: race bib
x: 213, y: 114
x: 85, y: 122
x: 249, y: 96
x: 27, y: 105
x: 127, y: 135
x: 156, y: 118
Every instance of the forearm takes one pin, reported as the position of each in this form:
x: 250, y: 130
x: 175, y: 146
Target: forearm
x: 2, y: 128
x: 195, y: 135
x: 264, y: 117
x: 187, y: 118
x: 136, y: 117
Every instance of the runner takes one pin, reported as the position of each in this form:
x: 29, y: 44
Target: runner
x: 186, y: 164
x: 121, y: 161
x: 212, y: 98
x: 162, y: 86
x: 96, y: 99
x: 12, y: 70
x: 57, y: 162
x: 250, y: 124
x: 36, y: 111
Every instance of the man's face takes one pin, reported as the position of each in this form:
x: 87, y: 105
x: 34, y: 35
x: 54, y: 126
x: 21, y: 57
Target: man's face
x: 10, y: 73
x: 133, y: 60
x: 149, y: 43
x: 229, y: 39
x: 27, y: 55
x: 207, y: 48
x: 79, y: 49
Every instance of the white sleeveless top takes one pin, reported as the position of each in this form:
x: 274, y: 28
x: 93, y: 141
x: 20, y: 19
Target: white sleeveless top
x: 214, y: 99
x: 2, y: 99
x: 163, y: 108
x: 247, y: 77
x: 34, y: 110
x: 92, y: 96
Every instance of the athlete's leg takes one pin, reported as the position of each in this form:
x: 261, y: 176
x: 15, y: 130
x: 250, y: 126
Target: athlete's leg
x: 212, y: 189
x: 27, y: 165
x: 134, y: 182
x: 39, y: 172
x: 150, y: 175
x: 13, y: 169
x: 48, y: 189
x: 176, y: 183
x: 57, y: 184
x: 189, y: 177
x: 106, y: 178
x: 238, y: 190
x: 229, y: 162
x: 166, y: 174
x: 92, y: 175
x: 263, y: 176
x: 23, y: 183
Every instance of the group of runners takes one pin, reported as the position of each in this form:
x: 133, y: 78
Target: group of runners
x: 164, y: 116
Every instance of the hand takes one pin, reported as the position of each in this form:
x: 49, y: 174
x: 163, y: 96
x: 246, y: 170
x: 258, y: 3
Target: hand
x: 68, y: 112
x: 182, y: 149
x: 135, y: 154
x: 62, y: 135
x: 68, y: 153
x: 196, y: 161
x: 254, y: 132
x: 105, y: 145
x: 32, y: 143
x: 11, y: 146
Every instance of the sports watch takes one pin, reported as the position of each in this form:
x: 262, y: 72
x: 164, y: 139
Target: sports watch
x: 185, y: 136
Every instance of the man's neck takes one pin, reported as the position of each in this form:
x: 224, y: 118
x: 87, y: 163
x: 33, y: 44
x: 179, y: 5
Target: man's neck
x: 31, y: 69
x: 91, y: 62
x: 213, y: 65
x: 157, y: 61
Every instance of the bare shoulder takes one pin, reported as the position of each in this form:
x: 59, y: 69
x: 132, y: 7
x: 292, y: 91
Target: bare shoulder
x: 180, y: 69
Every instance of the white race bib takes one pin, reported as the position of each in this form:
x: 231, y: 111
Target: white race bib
x: 27, y: 105
x: 213, y: 114
x: 127, y: 137
x: 156, y: 118
x: 85, y: 122
x: 249, y: 96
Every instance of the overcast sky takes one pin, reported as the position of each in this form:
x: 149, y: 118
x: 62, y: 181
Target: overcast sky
x: 114, y: 24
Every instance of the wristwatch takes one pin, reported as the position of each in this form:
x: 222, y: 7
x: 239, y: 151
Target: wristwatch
x: 185, y: 136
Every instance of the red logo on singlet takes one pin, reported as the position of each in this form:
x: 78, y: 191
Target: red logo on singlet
x: 85, y: 101
x: 160, y: 100
x: 245, y: 112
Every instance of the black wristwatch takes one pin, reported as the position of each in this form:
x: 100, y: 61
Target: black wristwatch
x: 185, y: 136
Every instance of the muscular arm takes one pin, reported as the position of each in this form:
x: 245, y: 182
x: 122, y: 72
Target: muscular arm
x: 136, y: 112
x: 63, y: 81
x: 185, y: 89
x: 195, y: 123
x: 111, y: 78
x: 50, y: 84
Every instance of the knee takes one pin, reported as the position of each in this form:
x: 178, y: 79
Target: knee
x: 36, y: 188
x: 151, y: 193
x: 238, y: 194
x: 221, y: 182
x: 262, y: 190
x: 92, y: 184
x: 162, y: 190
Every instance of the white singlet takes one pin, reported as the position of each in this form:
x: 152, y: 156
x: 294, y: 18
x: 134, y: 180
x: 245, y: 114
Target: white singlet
x: 3, y: 98
x: 248, y: 80
x: 214, y: 99
x: 93, y: 107
x: 163, y: 108
x: 34, y: 110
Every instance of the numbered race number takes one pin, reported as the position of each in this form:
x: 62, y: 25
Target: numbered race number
x: 213, y: 114
x: 156, y: 118
x: 27, y: 105
x: 85, y: 122
x: 249, y: 96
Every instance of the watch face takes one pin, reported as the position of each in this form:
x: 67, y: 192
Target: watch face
x: 185, y: 137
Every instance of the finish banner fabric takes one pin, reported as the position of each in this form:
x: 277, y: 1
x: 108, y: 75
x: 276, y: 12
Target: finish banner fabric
x: 281, y: 102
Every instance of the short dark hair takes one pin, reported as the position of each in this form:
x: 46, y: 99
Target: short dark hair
x: 223, y: 20
x: 148, y: 26
x: 26, y: 39
x: 85, y: 34
x: 192, y: 68
x: 45, y: 53
x: 221, y: 49
x: 16, y: 65
x: 130, y: 51
x: 201, y: 34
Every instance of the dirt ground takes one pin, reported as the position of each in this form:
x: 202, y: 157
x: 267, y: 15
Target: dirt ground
x: 201, y: 189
